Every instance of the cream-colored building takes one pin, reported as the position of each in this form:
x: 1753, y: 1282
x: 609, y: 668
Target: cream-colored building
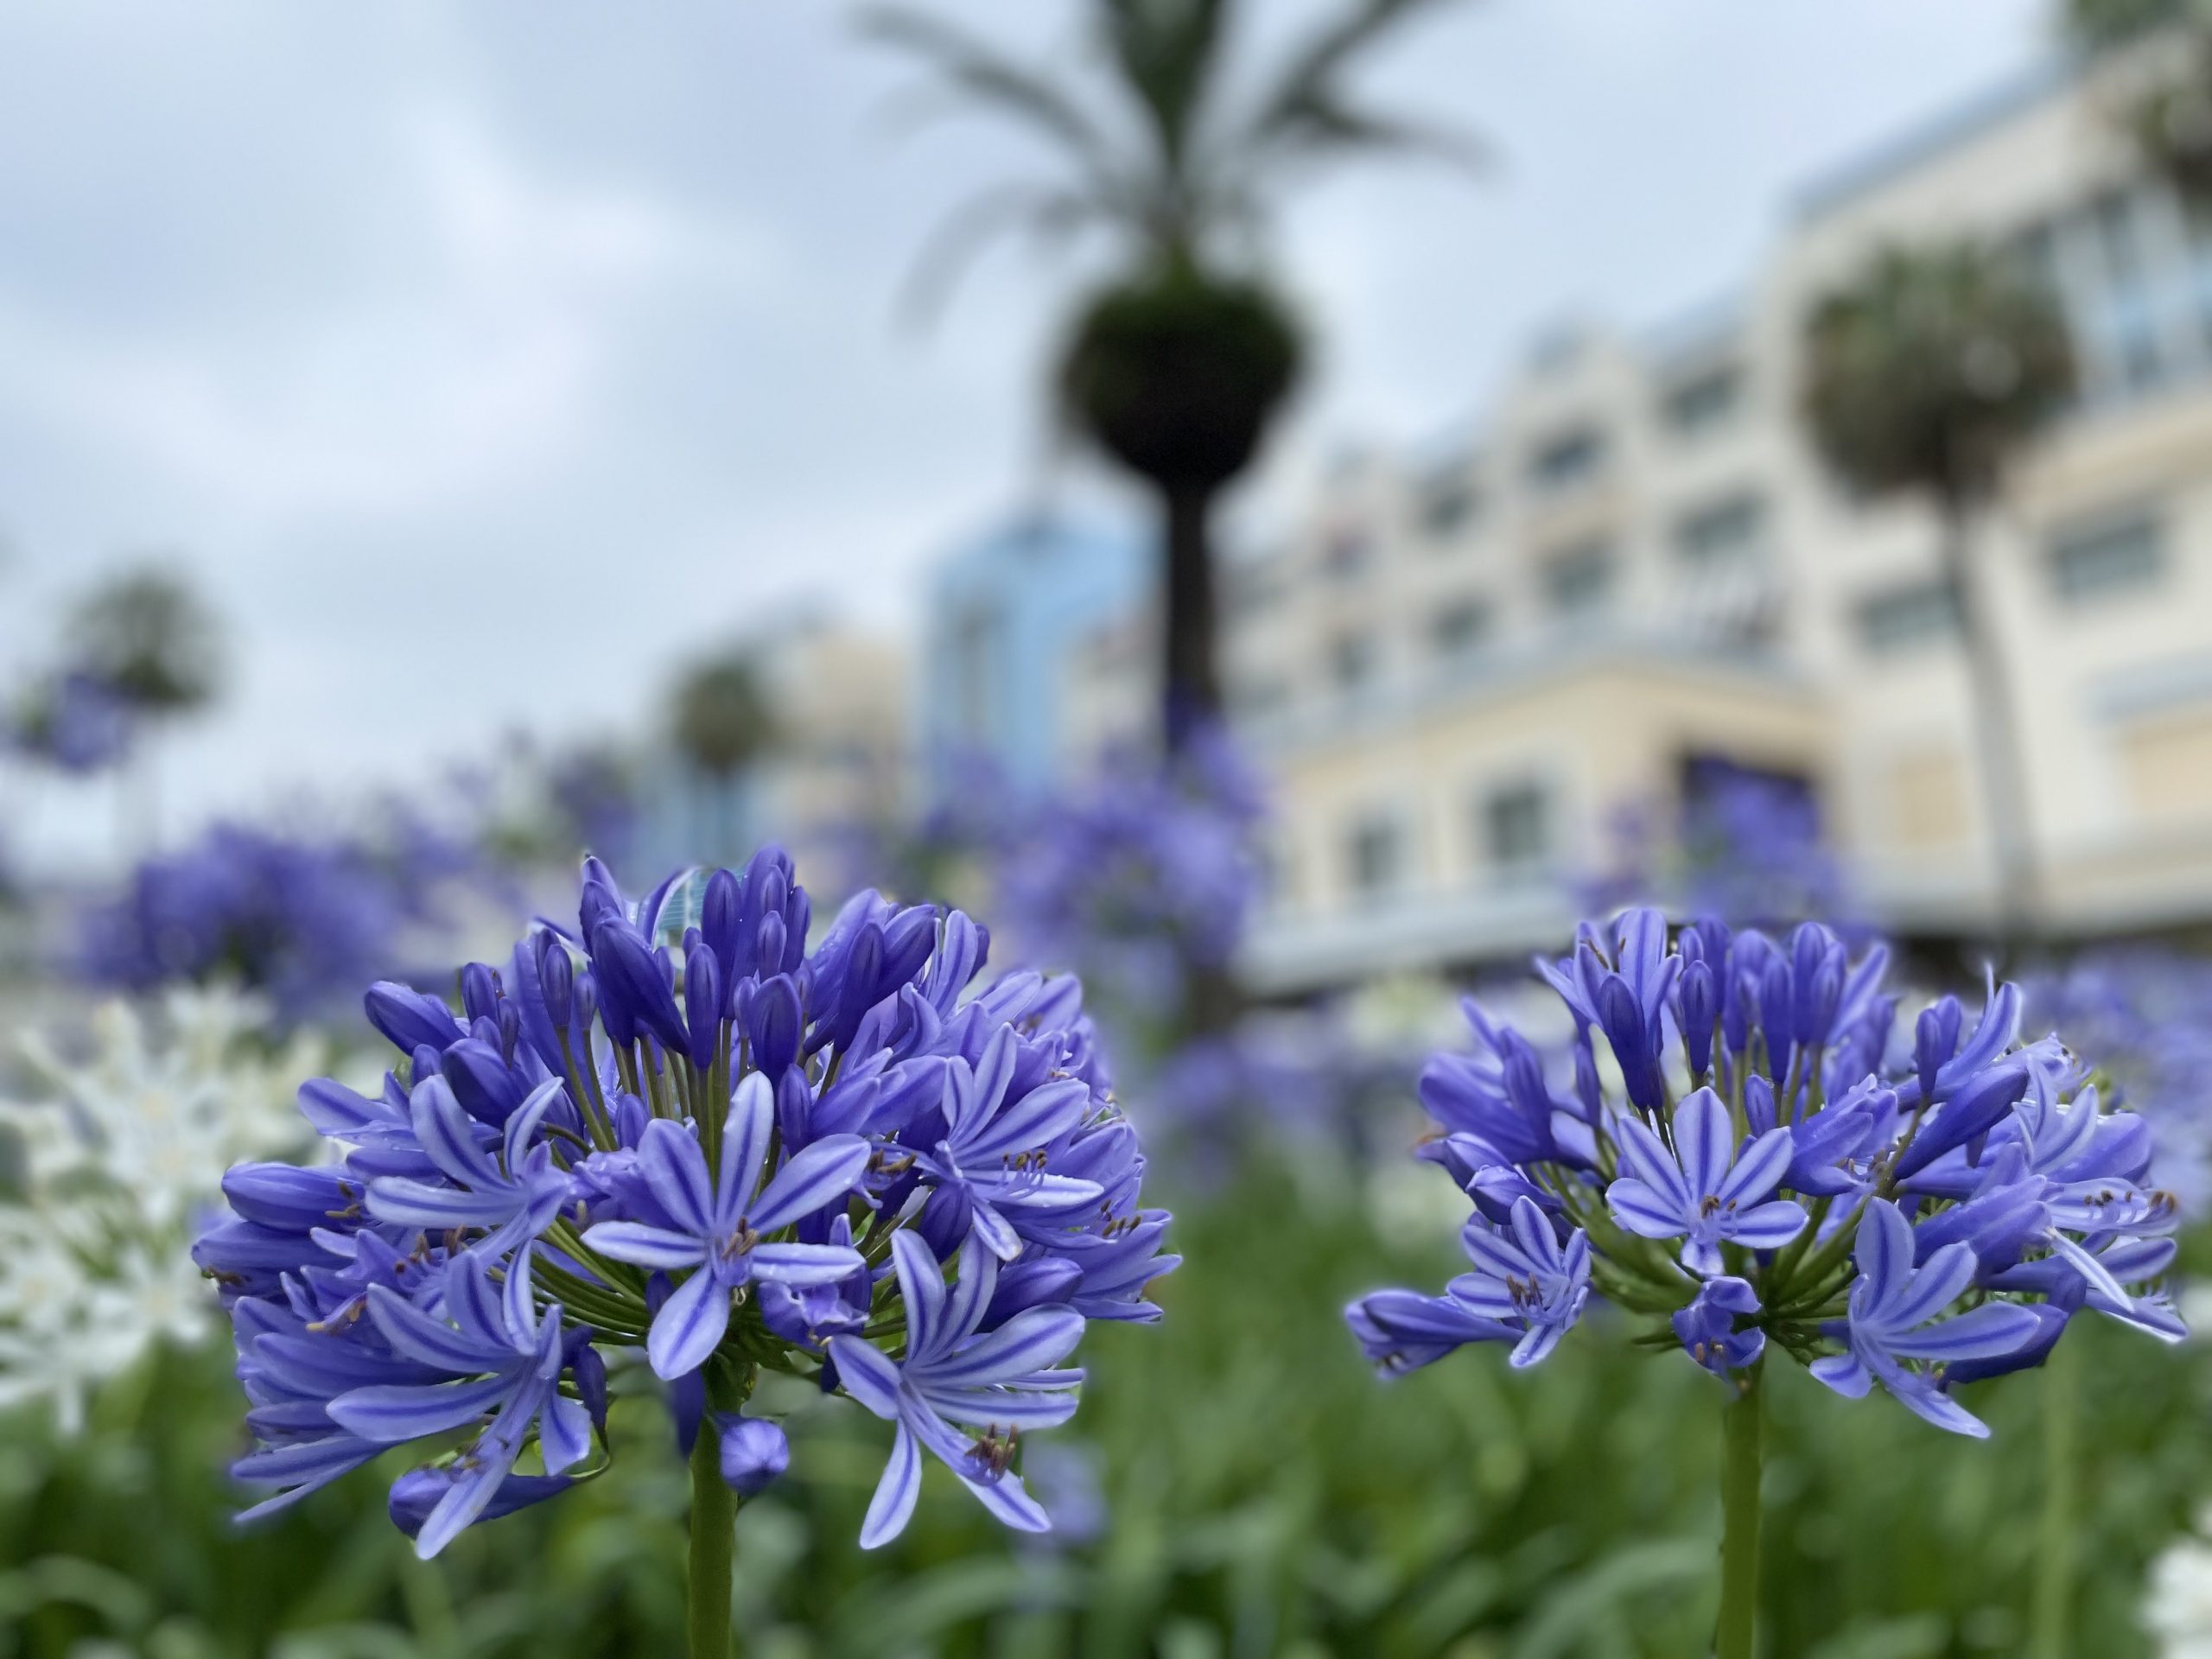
x: 1460, y: 666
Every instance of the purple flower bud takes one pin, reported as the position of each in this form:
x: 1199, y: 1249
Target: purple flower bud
x: 755, y: 1452
x: 719, y: 917
x: 1700, y: 1009
x: 408, y: 1018
x: 702, y: 1005
x: 480, y: 992
x: 557, y: 980
x: 771, y: 1024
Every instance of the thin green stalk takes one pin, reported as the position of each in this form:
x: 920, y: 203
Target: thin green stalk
x: 2053, y: 1592
x: 714, y: 1523
x: 1740, y: 1425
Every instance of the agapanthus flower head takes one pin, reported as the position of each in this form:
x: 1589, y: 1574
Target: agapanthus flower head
x: 1728, y: 1147
x: 675, y: 1139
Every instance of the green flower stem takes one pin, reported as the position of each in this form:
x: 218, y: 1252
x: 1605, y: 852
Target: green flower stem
x: 2062, y: 1406
x: 1741, y: 1424
x: 714, y: 1524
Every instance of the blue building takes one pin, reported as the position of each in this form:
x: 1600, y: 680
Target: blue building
x: 1004, y: 613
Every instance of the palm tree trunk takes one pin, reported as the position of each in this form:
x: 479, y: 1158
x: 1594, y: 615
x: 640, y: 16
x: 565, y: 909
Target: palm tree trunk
x: 2001, y: 762
x: 1190, y: 681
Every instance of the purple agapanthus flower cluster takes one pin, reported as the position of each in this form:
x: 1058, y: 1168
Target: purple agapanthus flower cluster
x: 673, y: 1136
x: 303, y: 919
x: 1142, y: 873
x: 76, y: 722
x: 1731, y: 1152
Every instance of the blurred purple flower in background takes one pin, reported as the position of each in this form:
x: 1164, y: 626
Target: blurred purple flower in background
x: 1141, y: 876
x: 302, y: 919
x: 77, y: 723
x: 1746, y: 846
x: 2145, y: 1014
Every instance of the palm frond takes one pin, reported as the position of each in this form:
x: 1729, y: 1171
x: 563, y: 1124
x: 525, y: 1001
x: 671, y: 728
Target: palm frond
x: 1167, y: 52
x: 1049, y: 213
x: 974, y: 67
x: 1312, y: 77
x: 1325, y: 124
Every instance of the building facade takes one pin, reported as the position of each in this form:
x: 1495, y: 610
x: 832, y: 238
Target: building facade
x: 1461, y: 666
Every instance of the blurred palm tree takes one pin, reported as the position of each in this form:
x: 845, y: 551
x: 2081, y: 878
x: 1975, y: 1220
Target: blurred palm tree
x: 2163, y: 98
x: 722, y: 721
x: 148, y: 640
x: 151, y: 640
x: 1927, y: 375
x: 1177, y: 366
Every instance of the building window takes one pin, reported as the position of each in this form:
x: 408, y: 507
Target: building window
x: 1516, y: 827
x: 1375, y: 855
x: 1704, y: 402
x: 1352, y: 660
x: 1260, y: 696
x: 1908, y: 618
x: 1580, y: 581
x: 1725, y: 533
x: 1571, y: 459
x: 1448, y: 506
x: 2109, y: 560
x: 1460, y: 628
x: 1346, y: 557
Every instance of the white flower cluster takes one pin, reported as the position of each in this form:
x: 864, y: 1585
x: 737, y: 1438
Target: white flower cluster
x: 2177, y: 1602
x: 104, y: 1178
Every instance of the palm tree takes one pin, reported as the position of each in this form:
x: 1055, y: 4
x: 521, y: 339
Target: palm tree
x: 2163, y: 100
x: 1177, y: 366
x: 722, y: 720
x: 1927, y: 375
x: 149, y: 642
x: 150, y: 639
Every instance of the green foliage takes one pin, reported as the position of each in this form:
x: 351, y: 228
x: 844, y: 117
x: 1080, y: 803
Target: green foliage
x: 147, y: 636
x: 1269, y: 1497
x: 1931, y: 370
x: 1176, y: 374
x: 720, y: 716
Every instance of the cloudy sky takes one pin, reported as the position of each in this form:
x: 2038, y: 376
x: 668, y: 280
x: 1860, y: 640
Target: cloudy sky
x: 475, y: 358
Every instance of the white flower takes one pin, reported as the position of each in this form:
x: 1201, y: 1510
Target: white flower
x: 118, y: 1164
x: 2177, y: 1607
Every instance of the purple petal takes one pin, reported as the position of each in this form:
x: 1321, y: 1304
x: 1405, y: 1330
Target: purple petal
x: 893, y: 1506
x: 745, y: 1134
x: 817, y: 1177
x: 391, y: 1415
x: 690, y: 1325
x: 1646, y: 1158
x: 1989, y: 1331
x: 1022, y: 1409
x: 866, y: 1374
x: 449, y: 1134
x: 406, y: 1203
x: 805, y: 1264
x: 676, y: 1172
x: 1843, y: 1373
x: 1760, y: 1168
x: 1883, y: 1249
x: 645, y: 1247
x: 1028, y: 1341
x: 563, y: 1434
x: 1644, y: 1212
x: 921, y: 1289
x: 415, y: 1335
x: 1942, y: 1280
x: 1043, y: 1114
x: 467, y: 1498
x: 1702, y: 1135
x: 1769, y: 1226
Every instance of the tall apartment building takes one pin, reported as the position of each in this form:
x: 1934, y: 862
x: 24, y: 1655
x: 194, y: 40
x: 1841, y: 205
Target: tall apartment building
x: 1462, y: 665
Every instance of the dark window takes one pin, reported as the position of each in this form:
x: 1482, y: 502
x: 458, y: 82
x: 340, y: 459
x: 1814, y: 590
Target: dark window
x: 1725, y: 532
x: 1375, y: 855
x: 1447, y: 507
x: 2112, y: 558
x: 1459, y: 627
x: 1352, y: 660
x: 1705, y: 401
x: 1569, y: 458
x: 1516, y: 827
x: 1346, y: 555
x: 1579, y: 580
x: 1904, y: 618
